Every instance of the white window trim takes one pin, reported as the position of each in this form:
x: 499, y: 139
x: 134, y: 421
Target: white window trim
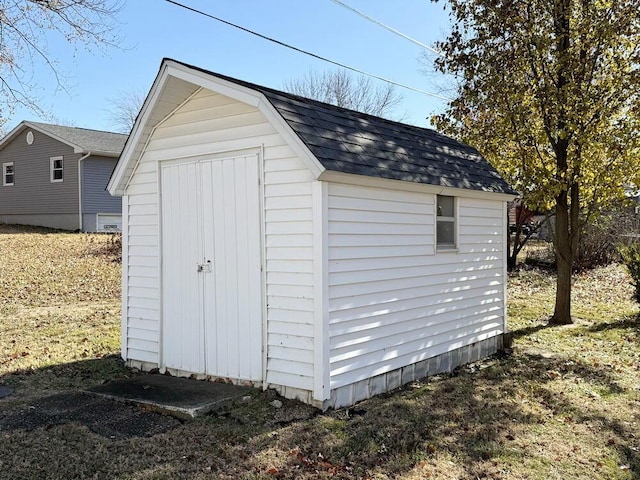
x: 454, y: 220
x: 4, y: 174
x: 52, y: 160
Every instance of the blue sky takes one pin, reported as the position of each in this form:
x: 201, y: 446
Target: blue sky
x: 153, y: 29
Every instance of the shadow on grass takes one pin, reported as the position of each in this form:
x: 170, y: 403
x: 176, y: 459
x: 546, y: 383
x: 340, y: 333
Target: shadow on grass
x: 38, y: 382
x: 474, y: 419
x: 526, y: 331
x: 629, y: 323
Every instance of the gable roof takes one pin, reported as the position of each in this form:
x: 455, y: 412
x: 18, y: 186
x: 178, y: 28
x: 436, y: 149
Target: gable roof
x: 82, y: 140
x: 343, y: 140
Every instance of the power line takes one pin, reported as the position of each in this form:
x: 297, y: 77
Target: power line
x: 305, y: 52
x: 387, y: 27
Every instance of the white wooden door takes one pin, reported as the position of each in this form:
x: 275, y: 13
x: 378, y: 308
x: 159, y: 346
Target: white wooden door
x: 182, y: 311
x: 224, y: 231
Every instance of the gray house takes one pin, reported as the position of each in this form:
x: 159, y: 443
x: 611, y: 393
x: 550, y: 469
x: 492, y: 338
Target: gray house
x: 55, y: 176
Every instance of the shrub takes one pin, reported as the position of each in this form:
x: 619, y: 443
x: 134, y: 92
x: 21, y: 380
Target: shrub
x: 631, y: 258
x: 599, y: 242
x: 105, y: 244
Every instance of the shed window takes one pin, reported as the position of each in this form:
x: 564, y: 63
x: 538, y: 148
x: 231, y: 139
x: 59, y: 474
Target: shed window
x: 8, y: 174
x: 57, y: 168
x: 446, y: 222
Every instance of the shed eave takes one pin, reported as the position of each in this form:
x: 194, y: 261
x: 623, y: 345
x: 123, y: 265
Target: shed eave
x: 142, y: 128
x: 140, y: 131
x: 250, y: 97
x: 364, y: 180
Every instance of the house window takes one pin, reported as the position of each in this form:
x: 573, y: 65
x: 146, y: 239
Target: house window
x: 56, y: 169
x: 8, y: 174
x: 446, y: 222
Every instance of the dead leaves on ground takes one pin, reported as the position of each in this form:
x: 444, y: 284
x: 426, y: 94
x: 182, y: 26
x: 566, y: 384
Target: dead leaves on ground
x: 55, y: 269
x: 301, y: 462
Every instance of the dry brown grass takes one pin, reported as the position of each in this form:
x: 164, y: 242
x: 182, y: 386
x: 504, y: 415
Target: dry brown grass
x: 60, y: 303
x: 564, y: 404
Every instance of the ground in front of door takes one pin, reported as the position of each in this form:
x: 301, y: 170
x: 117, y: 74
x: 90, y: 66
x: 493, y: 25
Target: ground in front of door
x: 180, y: 397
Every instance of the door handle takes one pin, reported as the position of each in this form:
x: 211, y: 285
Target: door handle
x: 204, y: 267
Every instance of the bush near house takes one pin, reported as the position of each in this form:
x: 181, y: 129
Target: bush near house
x: 562, y: 404
x: 631, y: 257
x: 601, y: 242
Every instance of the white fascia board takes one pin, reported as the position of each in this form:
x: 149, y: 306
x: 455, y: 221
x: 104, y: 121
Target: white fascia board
x: 117, y: 182
x: 215, y: 84
x: 255, y: 99
x: 26, y: 124
x: 366, y: 181
x: 170, y: 68
x: 298, y: 146
x: 76, y: 148
x: 12, y: 134
x: 96, y: 153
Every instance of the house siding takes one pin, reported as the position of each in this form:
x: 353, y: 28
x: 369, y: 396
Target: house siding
x: 33, y: 199
x: 210, y: 123
x: 96, y: 172
x: 393, y: 299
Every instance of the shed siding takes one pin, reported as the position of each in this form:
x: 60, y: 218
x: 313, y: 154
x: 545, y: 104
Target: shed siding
x: 394, y: 300
x: 211, y: 123
x: 96, y: 172
x: 33, y: 195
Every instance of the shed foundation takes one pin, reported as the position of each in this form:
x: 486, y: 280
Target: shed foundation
x: 446, y: 362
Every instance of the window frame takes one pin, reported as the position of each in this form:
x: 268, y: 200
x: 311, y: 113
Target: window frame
x: 4, y: 174
x: 52, y: 169
x: 446, y: 219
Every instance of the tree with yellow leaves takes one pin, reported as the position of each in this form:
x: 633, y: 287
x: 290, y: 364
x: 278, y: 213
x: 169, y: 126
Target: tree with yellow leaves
x: 549, y: 91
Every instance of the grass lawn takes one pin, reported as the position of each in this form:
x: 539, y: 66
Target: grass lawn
x: 564, y: 404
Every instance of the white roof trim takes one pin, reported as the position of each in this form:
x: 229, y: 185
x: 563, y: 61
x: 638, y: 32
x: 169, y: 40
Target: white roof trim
x: 170, y: 68
x: 117, y: 183
x: 26, y: 124
x: 380, y: 182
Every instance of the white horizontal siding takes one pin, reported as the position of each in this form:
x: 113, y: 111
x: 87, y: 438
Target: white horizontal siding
x: 210, y: 123
x: 394, y: 300
x: 289, y: 269
x: 142, y: 285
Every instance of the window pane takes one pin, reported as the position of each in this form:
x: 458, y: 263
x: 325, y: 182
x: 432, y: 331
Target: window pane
x: 445, y: 206
x: 7, y: 171
x: 57, y: 164
x: 445, y: 233
x: 57, y: 174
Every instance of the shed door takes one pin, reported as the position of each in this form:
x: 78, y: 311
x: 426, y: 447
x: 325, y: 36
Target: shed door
x: 211, y: 280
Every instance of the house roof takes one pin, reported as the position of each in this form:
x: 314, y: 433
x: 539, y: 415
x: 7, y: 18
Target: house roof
x: 338, y: 139
x: 83, y: 140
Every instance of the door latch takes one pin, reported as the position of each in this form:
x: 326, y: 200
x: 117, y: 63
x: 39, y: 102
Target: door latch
x: 204, y: 267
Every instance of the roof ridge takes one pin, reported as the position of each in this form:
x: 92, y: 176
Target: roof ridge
x: 304, y: 99
x: 73, y: 127
x: 349, y: 141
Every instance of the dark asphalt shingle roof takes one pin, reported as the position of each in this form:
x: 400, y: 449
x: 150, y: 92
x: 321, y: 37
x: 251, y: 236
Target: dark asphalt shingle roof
x: 352, y: 142
x: 88, y: 140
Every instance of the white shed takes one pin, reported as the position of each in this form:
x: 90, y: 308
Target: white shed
x: 285, y: 243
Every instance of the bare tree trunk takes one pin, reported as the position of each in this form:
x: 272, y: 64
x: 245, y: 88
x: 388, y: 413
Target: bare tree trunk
x: 511, y: 264
x: 564, y: 262
x: 512, y: 261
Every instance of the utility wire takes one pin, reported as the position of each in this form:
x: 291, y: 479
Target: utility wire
x: 387, y: 27
x: 299, y: 50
